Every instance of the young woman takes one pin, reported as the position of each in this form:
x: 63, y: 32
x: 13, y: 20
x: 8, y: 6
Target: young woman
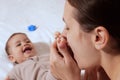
x: 92, y: 32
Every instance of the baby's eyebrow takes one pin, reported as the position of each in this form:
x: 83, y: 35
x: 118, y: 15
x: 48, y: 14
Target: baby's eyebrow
x: 17, y: 42
x: 26, y: 39
x: 21, y: 40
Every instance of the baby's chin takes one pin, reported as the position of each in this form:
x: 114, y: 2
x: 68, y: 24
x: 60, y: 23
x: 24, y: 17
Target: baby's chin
x: 29, y: 55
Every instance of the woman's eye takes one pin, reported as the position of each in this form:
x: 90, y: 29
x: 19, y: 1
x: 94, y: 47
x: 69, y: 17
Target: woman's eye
x: 66, y: 28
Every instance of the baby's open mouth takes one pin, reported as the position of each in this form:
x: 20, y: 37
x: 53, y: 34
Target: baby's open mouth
x: 27, y: 49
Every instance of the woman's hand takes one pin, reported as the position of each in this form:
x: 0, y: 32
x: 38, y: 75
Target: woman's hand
x: 63, y: 66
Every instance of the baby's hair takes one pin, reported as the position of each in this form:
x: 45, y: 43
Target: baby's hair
x: 7, y: 46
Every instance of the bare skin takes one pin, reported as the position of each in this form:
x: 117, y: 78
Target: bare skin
x: 68, y: 63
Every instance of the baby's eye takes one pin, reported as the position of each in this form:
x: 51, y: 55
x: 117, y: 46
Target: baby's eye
x: 19, y: 44
x: 28, y: 41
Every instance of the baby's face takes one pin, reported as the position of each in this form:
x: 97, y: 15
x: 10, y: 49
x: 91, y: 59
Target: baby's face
x: 20, y: 48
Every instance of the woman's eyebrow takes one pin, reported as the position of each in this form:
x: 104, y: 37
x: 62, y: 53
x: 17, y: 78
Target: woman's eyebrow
x: 63, y: 19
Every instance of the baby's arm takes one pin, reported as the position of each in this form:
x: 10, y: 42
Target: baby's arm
x: 44, y: 72
x: 14, y: 74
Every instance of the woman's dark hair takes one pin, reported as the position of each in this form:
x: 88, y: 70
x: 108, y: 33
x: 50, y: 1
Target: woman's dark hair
x: 7, y: 43
x: 94, y: 13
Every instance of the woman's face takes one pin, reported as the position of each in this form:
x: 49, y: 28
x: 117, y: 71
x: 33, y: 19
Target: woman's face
x: 80, y: 42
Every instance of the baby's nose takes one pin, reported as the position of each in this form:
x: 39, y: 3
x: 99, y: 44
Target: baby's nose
x: 24, y: 43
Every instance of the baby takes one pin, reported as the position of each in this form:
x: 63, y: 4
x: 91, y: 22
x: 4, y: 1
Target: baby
x: 28, y: 66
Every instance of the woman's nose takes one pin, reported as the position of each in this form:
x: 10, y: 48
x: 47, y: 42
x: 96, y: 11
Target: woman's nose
x: 24, y: 44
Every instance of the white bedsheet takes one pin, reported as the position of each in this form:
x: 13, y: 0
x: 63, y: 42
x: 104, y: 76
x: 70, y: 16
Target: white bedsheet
x: 16, y: 15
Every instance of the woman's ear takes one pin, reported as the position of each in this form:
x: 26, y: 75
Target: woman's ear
x: 101, y: 37
x: 11, y: 58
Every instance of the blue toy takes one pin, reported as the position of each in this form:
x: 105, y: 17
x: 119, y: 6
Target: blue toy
x: 32, y: 28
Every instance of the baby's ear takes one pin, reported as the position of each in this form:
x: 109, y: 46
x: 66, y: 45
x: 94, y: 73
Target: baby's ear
x: 11, y: 58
